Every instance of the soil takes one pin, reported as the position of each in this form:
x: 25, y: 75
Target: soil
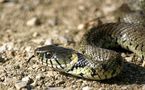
x: 28, y: 24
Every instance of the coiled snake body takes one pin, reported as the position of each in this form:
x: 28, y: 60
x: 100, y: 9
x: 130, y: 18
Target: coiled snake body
x: 94, y: 60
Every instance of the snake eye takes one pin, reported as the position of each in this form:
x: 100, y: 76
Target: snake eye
x: 48, y: 55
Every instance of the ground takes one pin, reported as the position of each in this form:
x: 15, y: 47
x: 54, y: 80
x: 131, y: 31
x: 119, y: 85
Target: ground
x: 28, y: 24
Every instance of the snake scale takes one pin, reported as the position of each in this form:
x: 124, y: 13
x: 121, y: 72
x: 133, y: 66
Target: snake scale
x: 94, y: 60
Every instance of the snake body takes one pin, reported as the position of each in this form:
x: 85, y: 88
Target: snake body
x: 94, y: 60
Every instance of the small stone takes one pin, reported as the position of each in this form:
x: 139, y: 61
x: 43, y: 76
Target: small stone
x: 23, y: 83
x: 38, y: 77
x: 38, y: 41
x: 124, y: 88
x: 60, y: 82
x: 68, y: 88
x: 26, y: 7
x: 143, y: 64
x: 51, y: 73
x: 93, y: 23
x: 20, y: 85
x: 80, y: 26
x: 55, y: 88
x: 35, y: 34
x: 7, y: 46
x: 109, y: 7
x: 143, y: 87
x: 63, y: 39
x: 2, y: 1
x: 26, y: 79
x: 81, y: 8
x: 48, y: 41
x: 33, y: 22
x: 25, y: 89
x: 53, y: 21
x: 129, y: 59
x: 86, y: 88
x: 28, y: 48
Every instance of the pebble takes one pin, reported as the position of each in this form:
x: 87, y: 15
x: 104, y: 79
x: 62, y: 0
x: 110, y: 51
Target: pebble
x: 35, y: 34
x: 124, y: 88
x: 33, y: 22
x: 60, y: 82
x: 26, y: 7
x: 129, y: 59
x: 143, y: 87
x: 53, y: 21
x: 86, y: 88
x: 23, y: 83
x: 81, y: 8
x: 28, y: 48
x: 48, y: 41
x: 92, y: 23
x: 38, y: 41
x: 38, y: 77
x: 20, y: 85
x: 143, y: 64
x: 51, y: 73
x: 63, y: 39
x: 7, y: 46
x: 80, y: 26
x: 26, y: 79
x: 2, y: 1
x: 13, y: 1
x: 55, y: 88
x: 109, y: 7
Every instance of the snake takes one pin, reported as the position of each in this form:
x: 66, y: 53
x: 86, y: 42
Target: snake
x: 94, y: 58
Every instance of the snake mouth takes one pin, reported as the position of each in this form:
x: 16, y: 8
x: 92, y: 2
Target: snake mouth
x: 51, y: 62
x: 54, y: 63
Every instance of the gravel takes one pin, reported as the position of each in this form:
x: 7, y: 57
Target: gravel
x: 86, y: 88
x: 33, y: 21
x: 28, y: 24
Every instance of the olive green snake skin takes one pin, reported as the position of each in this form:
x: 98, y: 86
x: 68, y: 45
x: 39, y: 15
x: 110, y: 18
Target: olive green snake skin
x: 94, y: 60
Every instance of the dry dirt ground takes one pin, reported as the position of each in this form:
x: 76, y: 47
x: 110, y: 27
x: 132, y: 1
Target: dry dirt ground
x: 28, y: 24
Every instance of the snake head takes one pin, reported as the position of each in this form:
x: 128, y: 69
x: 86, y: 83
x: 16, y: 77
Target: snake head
x: 54, y: 56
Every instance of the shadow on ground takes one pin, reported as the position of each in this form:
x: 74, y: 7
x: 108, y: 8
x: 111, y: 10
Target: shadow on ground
x: 131, y: 74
